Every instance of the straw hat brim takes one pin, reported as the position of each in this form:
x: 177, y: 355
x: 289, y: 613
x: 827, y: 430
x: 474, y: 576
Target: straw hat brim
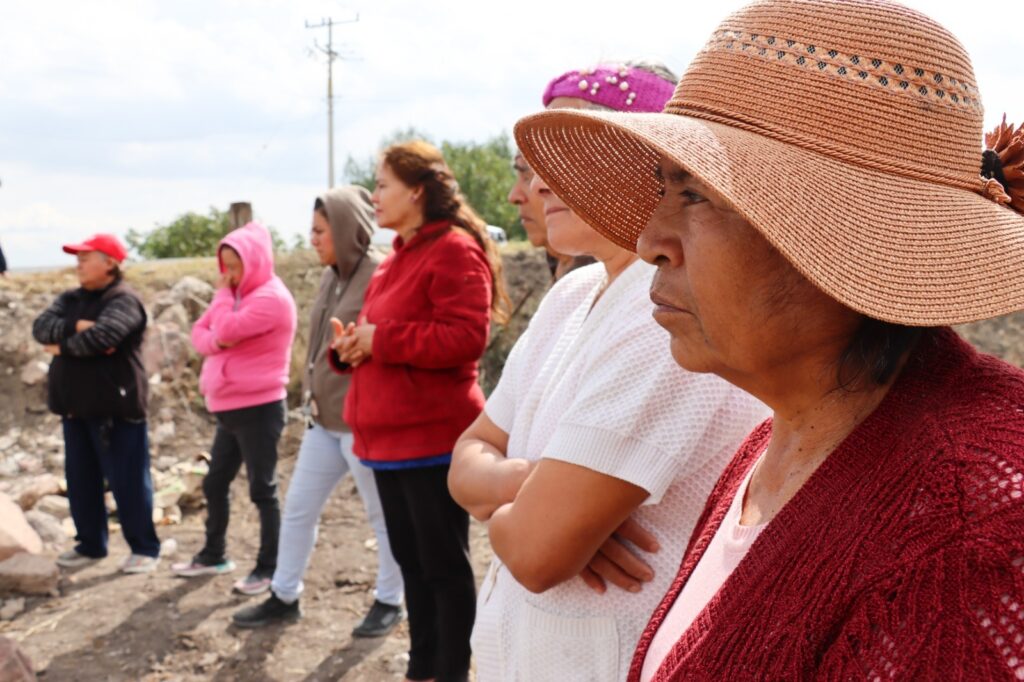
x: 893, y: 248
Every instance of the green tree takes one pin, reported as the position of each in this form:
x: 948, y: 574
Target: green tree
x: 364, y: 173
x: 190, y: 234
x: 485, y: 175
x: 482, y: 169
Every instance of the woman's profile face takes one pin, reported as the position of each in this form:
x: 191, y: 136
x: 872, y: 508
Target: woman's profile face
x: 732, y: 304
x: 322, y: 240
x: 93, y: 269
x: 233, y: 266
x: 567, y: 232
x: 395, y: 203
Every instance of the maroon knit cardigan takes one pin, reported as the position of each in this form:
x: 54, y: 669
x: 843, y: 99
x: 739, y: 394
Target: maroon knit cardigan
x: 901, y: 557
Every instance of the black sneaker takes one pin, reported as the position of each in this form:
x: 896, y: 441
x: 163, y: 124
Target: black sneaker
x: 273, y: 610
x: 379, y: 621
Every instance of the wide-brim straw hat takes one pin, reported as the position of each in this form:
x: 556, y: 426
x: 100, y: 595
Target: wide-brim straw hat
x: 847, y: 132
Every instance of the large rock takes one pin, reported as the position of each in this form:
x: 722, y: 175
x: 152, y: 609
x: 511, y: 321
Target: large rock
x: 161, y: 302
x: 171, y: 515
x: 34, y: 372
x: 194, y: 294
x: 29, y: 490
x: 11, y: 609
x: 165, y: 462
x: 29, y: 574
x: 15, y: 665
x: 16, y: 535
x: 191, y: 476
x: 170, y: 492
x: 9, y: 466
x: 54, y: 461
x: 163, y: 433
x: 28, y: 464
x: 177, y: 315
x: 10, y: 439
x: 166, y: 350
x: 47, y: 526
x: 55, y: 505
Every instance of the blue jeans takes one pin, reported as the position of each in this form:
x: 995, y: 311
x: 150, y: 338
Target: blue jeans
x: 115, y: 450
x: 324, y: 459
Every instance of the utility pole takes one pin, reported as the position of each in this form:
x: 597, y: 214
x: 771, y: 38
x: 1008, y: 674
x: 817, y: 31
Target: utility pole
x: 329, y: 24
x: 239, y: 214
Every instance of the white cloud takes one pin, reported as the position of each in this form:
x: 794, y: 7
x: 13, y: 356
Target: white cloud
x: 123, y: 113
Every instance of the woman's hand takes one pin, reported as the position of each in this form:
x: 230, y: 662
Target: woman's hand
x: 354, y: 344
x: 362, y: 342
x: 343, y: 342
x: 341, y: 333
x: 223, y: 282
x: 82, y: 325
x: 617, y: 564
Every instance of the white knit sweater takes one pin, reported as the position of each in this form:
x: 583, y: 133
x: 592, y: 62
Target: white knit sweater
x: 595, y: 385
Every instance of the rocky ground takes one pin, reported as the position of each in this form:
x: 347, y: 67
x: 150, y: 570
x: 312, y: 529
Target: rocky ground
x: 97, y: 624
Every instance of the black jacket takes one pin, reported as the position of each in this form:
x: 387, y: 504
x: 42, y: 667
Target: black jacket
x: 99, y: 372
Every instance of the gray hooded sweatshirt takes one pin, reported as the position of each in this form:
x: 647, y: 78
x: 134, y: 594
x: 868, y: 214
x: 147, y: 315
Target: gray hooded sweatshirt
x: 342, y: 286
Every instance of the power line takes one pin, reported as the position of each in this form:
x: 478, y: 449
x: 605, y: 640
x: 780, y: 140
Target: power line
x: 331, y: 55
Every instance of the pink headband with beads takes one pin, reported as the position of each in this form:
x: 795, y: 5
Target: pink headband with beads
x: 621, y: 88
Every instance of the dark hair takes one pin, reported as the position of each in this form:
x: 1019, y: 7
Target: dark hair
x: 321, y: 208
x: 875, y: 351
x: 421, y: 164
x: 992, y: 167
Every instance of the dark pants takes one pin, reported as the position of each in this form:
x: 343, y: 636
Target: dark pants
x: 117, y: 451
x: 429, y: 536
x: 247, y: 435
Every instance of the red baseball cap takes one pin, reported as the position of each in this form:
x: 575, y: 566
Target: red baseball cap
x: 104, y: 243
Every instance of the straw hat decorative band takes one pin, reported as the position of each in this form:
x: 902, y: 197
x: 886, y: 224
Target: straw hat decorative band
x: 854, y: 147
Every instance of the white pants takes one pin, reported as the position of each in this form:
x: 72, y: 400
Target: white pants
x: 324, y: 459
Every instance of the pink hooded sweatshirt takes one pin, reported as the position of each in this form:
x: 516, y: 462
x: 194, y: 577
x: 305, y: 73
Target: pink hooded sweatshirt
x: 258, y: 318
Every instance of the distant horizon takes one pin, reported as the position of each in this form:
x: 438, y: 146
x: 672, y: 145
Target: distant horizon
x: 382, y: 237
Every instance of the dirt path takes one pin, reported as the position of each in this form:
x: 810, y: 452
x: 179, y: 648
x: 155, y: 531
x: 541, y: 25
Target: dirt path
x: 109, y: 626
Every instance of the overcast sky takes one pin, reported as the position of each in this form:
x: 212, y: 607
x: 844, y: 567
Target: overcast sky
x: 125, y: 114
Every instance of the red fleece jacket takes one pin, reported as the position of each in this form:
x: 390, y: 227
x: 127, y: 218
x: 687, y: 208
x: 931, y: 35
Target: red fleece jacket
x: 430, y: 300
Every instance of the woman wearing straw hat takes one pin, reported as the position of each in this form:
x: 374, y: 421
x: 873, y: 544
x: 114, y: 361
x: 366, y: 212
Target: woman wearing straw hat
x: 811, y: 198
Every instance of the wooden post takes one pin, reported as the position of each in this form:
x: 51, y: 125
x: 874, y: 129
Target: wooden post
x: 241, y: 214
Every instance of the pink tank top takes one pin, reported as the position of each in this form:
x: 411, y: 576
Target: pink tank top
x: 723, y: 555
